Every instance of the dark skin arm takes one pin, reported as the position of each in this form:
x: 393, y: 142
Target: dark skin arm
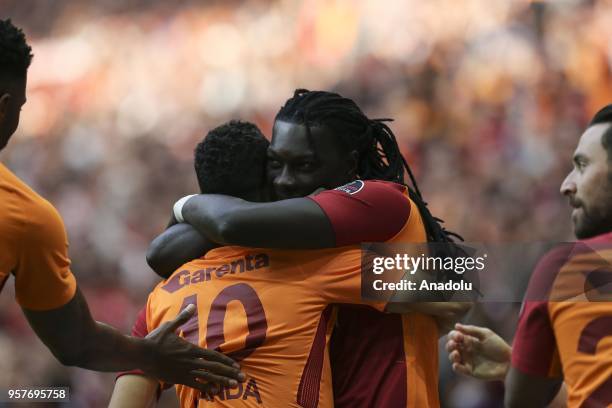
x: 181, y: 243
x: 297, y: 223
x: 177, y: 245
x: 524, y: 390
x: 294, y: 223
x: 76, y: 339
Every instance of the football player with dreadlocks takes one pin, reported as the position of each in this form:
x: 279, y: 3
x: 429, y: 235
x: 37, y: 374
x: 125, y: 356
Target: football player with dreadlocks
x: 287, y: 296
x: 323, y: 140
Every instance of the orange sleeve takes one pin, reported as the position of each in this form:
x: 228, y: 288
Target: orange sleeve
x: 339, y: 278
x: 43, y: 279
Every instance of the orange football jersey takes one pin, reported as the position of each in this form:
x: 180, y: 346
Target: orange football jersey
x: 268, y: 309
x: 569, y: 334
x: 379, y: 359
x: 33, y: 246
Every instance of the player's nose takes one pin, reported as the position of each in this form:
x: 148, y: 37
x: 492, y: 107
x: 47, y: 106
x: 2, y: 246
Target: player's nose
x: 285, y: 183
x: 568, y: 187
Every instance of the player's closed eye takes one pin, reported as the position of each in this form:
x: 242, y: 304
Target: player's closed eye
x: 273, y: 163
x: 306, y: 166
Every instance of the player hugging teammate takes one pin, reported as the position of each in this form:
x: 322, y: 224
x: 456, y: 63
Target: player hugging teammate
x: 320, y: 140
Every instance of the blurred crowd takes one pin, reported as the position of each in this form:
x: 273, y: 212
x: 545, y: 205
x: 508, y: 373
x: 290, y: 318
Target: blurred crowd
x: 489, y: 99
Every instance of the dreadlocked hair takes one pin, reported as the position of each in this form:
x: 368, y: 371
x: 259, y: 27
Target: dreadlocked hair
x: 380, y: 157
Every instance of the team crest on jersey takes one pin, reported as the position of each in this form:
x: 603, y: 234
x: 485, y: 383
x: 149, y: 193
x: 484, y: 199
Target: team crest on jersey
x: 352, y: 188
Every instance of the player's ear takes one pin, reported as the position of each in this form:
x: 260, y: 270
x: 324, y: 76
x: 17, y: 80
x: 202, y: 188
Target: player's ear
x: 5, y: 99
x: 353, y: 160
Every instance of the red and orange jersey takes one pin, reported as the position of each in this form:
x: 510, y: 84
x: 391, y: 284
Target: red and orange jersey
x: 379, y: 359
x: 565, y: 327
x: 268, y: 309
x: 33, y: 246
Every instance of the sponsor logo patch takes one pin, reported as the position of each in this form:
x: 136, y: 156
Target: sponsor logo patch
x: 188, y: 277
x: 352, y: 188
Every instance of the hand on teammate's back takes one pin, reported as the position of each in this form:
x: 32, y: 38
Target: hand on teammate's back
x: 478, y: 352
x: 176, y: 361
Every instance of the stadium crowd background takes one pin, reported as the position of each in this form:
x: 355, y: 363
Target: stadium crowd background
x: 488, y: 98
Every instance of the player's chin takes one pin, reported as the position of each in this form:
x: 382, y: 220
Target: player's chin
x: 582, y: 228
x: 579, y: 229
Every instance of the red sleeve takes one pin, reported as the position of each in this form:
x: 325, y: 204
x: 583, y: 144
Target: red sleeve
x: 546, y: 272
x: 139, y: 329
x: 365, y: 211
x: 534, y: 350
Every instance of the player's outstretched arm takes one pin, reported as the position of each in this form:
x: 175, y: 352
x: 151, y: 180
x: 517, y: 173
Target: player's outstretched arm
x: 76, y: 339
x: 179, y: 244
x: 292, y: 223
x: 478, y: 352
x: 134, y: 391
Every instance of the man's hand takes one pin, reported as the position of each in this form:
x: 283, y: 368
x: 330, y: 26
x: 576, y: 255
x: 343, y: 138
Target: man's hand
x: 478, y: 352
x: 76, y: 339
x: 174, y: 360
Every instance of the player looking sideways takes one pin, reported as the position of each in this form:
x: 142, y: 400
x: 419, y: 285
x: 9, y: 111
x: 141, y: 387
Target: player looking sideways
x: 557, y: 339
x: 34, y: 248
x: 321, y: 139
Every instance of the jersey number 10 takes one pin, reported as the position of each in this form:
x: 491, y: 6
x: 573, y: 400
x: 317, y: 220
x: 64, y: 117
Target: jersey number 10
x: 255, y: 314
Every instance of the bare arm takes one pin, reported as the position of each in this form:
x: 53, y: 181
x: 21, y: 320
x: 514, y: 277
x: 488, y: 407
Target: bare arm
x: 479, y: 352
x: 134, y: 391
x: 297, y: 223
x: 76, y: 339
x: 176, y: 246
x: 293, y: 223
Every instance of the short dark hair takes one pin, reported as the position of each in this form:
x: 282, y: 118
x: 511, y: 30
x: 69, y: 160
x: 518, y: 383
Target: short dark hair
x: 15, y: 53
x: 231, y: 159
x: 605, y: 116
